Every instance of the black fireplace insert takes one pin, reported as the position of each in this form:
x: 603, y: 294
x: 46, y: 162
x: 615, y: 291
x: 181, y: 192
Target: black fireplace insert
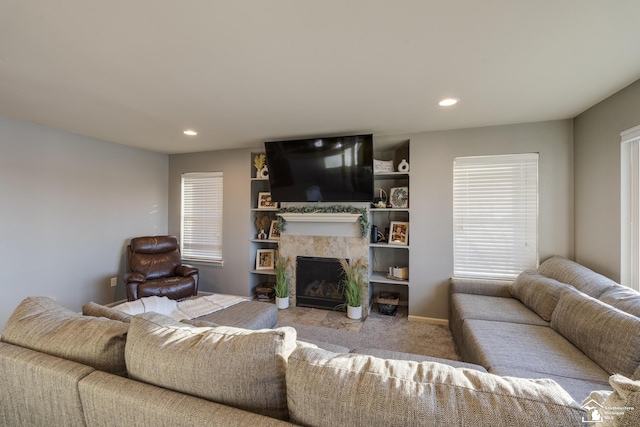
x: 318, y: 282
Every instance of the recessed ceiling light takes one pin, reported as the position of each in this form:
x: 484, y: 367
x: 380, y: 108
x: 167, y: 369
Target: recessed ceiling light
x: 448, y: 102
x: 190, y: 132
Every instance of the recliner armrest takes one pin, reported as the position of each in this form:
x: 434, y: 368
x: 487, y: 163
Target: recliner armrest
x: 134, y: 277
x: 186, y: 270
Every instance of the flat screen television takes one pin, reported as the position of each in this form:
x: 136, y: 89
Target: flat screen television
x: 330, y: 169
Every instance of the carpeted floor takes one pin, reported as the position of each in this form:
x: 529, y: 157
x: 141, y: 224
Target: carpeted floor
x: 377, y: 331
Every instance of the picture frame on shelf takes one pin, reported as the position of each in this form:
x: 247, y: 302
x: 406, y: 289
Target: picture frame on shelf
x: 265, y: 201
x: 398, y: 233
x: 399, y: 197
x: 265, y: 259
x: 274, y: 230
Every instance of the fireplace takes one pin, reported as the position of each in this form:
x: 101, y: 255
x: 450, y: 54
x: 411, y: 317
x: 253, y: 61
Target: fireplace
x: 318, y: 282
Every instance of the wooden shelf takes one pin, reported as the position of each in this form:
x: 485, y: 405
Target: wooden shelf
x: 381, y: 277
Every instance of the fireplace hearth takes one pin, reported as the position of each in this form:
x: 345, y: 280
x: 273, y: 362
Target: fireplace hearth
x: 318, y: 282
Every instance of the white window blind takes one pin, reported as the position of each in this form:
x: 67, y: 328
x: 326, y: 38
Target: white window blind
x: 201, y: 217
x: 630, y: 209
x: 495, y: 215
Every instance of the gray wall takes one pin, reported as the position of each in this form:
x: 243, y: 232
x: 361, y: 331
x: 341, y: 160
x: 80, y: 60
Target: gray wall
x: 69, y: 204
x: 233, y: 277
x: 431, y: 199
x: 597, y: 178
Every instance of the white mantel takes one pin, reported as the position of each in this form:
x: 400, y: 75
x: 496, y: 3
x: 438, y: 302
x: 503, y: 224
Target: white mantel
x: 343, y: 224
x: 320, y: 217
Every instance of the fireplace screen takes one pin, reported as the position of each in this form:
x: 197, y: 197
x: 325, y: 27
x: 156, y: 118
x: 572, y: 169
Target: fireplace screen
x: 318, y: 282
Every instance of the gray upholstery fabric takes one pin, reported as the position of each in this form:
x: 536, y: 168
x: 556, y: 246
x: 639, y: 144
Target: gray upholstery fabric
x: 622, y: 298
x: 247, y: 315
x: 577, y: 388
x: 624, y: 397
x: 112, y: 401
x: 324, y: 345
x: 41, y: 324
x: 576, y: 275
x: 608, y: 336
x: 398, y: 355
x: 495, y: 288
x: 37, y: 389
x: 97, y: 310
x: 535, y: 348
x: 236, y: 367
x: 537, y: 292
x: 328, y: 389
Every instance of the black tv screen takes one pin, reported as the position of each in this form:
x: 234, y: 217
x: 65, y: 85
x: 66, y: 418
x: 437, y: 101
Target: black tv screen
x: 332, y: 169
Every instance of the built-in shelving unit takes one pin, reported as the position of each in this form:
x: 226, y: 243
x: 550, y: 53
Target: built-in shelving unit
x: 383, y: 254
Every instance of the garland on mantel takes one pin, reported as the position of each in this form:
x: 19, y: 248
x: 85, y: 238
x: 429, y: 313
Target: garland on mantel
x: 363, y: 220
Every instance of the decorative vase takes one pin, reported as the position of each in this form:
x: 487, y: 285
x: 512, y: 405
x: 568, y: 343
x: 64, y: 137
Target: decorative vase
x: 403, y: 166
x: 282, y: 303
x: 263, y: 173
x: 354, y: 313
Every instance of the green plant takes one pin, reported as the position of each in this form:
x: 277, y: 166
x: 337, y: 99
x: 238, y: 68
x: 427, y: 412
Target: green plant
x: 352, y: 282
x: 363, y: 220
x: 282, y: 278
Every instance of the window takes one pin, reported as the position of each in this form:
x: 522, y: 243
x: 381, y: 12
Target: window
x: 495, y: 215
x: 201, y: 217
x: 630, y: 209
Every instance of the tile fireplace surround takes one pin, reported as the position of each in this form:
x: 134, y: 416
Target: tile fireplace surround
x: 320, y: 239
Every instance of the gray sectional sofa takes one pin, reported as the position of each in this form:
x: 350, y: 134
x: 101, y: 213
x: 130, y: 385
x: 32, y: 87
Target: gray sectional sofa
x: 561, y: 321
x: 63, y: 368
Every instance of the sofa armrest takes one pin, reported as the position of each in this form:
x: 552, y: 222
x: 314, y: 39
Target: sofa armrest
x: 134, y: 277
x: 494, y: 288
x: 186, y: 270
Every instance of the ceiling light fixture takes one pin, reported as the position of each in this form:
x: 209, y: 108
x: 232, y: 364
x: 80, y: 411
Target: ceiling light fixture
x: 448, y: 102
x: 190, y: 132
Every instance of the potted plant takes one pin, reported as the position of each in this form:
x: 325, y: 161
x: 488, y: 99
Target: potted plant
x: 282, y: 282
x: 352, y: 284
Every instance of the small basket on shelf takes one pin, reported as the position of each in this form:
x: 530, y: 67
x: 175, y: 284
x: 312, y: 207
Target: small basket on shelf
x: 388, y: 303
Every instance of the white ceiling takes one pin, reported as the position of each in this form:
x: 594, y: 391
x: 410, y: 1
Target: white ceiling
x: 139, y: 72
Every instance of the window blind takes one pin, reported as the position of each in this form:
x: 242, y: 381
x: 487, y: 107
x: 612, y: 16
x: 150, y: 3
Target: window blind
x: 201, y: 217
x: 495, y: 215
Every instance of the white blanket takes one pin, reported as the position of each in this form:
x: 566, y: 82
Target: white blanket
x: 187, y: 309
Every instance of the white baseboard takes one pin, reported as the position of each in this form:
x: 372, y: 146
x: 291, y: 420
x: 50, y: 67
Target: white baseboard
x: 432, y: 320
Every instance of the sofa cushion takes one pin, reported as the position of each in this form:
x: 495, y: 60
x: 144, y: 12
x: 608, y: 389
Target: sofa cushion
x: 576, y: 275
x: 246, y: 314
x: 399, y: 355
x: 530, y: 347
x: 236, y: 367
x: 537, y: 292
x: 621, y: 406
x: 494, y: 308
x: 607, y: 335
x: 577, y: 388
x: 328, y: 389
x: 97, y: 310
x: 41, y: 324
x: 622, y: 298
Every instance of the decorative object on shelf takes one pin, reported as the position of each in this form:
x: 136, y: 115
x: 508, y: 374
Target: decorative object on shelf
x: 260, y: 163
x: 363, y: 220
x: 262, y: 235
x: 265, y: 201
x: 265, y: 259
x: 403, y: 166
x: 399, y: 233
x: 399, y: 197
x: 265, y: 292
x: 380, y: 166
x: 274, y: 230
x: 261, y: 222
x: 351, y: 285
x: 380, y: 201
x: 398, y: 273
x: 282, y: 282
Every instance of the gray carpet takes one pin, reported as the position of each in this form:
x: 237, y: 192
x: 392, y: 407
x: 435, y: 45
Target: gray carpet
x: 377, y: 331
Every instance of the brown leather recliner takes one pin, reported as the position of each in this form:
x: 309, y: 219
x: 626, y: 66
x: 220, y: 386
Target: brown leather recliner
x: 155, y: 268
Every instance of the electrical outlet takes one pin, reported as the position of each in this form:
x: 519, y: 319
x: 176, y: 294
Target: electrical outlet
x: 114, y: 282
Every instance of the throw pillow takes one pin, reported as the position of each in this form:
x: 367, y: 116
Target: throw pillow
x: 329, y: 389
x: 236, y: 367
x: 537, y: 292
x: 620, y: 407
x: 577, y: 275
x: 41, y: 324
x: 610, y: 337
